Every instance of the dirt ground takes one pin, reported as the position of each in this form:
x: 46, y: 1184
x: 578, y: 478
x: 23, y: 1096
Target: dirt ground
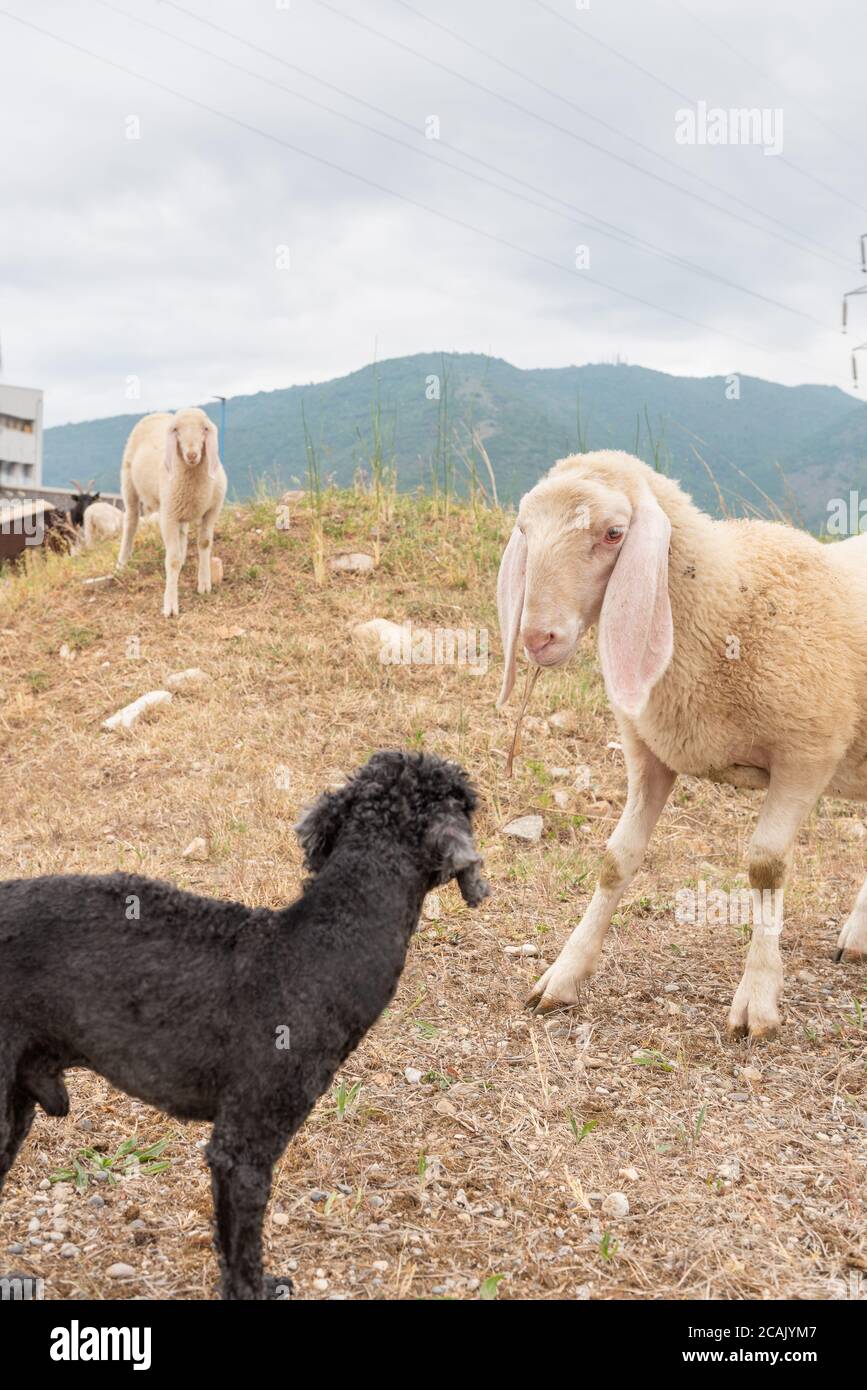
x: 743, y: 1165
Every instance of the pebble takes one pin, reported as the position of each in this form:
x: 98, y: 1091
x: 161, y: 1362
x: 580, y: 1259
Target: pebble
x: 196, y: 849
x: 16, y: 1248
x: 562, y: 799
x: 192, y: 676
x: 120, y: 1271
x: 34, y: 1225
x: 528, y: 949
x: 433, y: 909
x: 527, y: 828
x: 566, y: 720
x: 96, y: 1200
x: 730, y: 1170
x: 128, y: 716
x: 630, y: 1174
x: 321, y: 1285
x: 355, y: 562
x: 69, y: 1251
x: 280, y: 1219
x: 380, y: 1266
x: 317, y: 1195
x: 380, y: 635
x: 413, y: 1075
x: 616, y: 1206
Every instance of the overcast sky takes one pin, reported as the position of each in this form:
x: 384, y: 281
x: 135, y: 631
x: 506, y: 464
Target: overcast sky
x: 163, y: 258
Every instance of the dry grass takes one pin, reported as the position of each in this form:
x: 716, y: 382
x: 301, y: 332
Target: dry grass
x: 749, y: 1185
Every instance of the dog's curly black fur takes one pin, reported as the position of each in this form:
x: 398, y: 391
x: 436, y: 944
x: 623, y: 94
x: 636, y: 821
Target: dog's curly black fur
x: 211, y: 1010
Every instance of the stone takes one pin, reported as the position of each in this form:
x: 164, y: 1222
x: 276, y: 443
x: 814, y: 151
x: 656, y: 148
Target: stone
x: 527, y: 828
x: 352, y: 562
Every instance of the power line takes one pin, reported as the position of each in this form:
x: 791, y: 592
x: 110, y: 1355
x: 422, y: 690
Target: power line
x: 574, y: 275
x: 583, y: 139
x: 616, y: 233
x: 609, y: 48
x: 742, y: 58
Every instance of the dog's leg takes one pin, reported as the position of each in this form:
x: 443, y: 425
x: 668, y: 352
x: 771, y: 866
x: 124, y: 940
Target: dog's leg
x: 16, y: 1117
x: 241, y: 1168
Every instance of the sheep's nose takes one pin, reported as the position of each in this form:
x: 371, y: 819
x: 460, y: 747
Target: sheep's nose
x: 192, y: 456
x: 536, y: 640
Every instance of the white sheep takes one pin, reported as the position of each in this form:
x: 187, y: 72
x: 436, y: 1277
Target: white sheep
x: 102, y: 522
x: 171, y: 464
x: 731, y: 650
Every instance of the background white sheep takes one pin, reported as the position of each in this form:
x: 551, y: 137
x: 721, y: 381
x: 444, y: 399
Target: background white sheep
x: 734, y: 651
x: 171, y: 465
x: 102, y: 522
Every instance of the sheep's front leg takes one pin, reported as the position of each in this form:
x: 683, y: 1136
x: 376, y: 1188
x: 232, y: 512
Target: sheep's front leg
x: 175, y: 547
x: 206, y: 538
x: 650, y: 782
x: 791, y: 796
x: 852, y: 941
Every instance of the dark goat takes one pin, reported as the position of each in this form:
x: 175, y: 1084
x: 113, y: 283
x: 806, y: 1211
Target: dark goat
x: 215, y: 1011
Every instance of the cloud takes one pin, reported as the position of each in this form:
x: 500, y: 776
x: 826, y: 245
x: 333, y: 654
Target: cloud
x: 159, y: 257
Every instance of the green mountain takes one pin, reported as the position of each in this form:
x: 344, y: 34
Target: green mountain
x: 802, y: 445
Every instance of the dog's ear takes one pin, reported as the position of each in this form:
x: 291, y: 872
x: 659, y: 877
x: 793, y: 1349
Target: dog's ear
x: 455, y: 856
x: 318, y: 827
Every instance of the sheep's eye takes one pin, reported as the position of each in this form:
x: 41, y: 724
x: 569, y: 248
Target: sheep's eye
x: 614, y: 535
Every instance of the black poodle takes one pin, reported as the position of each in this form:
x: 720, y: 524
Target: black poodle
x: 211, y: 1010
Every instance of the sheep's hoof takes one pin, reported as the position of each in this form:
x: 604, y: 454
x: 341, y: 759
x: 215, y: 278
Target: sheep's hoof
x: 749, y: 1021
x: 278, y: 1289
x: 542, y: 999
x: 852, y: 943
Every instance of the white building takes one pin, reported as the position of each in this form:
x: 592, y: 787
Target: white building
x: 20, y: 437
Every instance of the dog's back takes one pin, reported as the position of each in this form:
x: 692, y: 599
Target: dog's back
x: 124, y: 975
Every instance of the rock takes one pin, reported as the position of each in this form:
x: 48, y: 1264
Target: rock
x: 98, y: 581
x: 432, y: 910
x: 216, y: 571
x: 280, y: 1218
x: 62, y: 1191
x: 380, y: 1266
x: 192, y: 676
x: 730, y: 1170
x: 630, y: 1174
x: 527, y: 828
x: 196, y: 849
x: 560, y: 774
x: 562, y: 799
x: 66, y: 653
x: 120, y: 1271
x: 752, y: 1075
x: 528, y: 949
x: 34, y: 1225
x: 566, y: 720
x: 16, y: 1248
x: 582, y: 1293
x: 130, y: 714
x: 616, y: 1206
x: 69, y: 1251
x: 352, y: 562
x: 413, y: 1075
x: 318, y: 1195
x: 445, y: 1107
x: 96, y: 1200
x: 320, y: 1285
x: 380, y: 635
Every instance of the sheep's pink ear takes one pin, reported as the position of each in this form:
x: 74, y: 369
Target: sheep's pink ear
x: 510, y: 605
x: 211, y: 453
x: 171, y: 449
x: 636, y: 637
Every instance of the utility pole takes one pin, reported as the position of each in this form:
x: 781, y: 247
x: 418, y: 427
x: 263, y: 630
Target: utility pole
x: 862, y: 289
